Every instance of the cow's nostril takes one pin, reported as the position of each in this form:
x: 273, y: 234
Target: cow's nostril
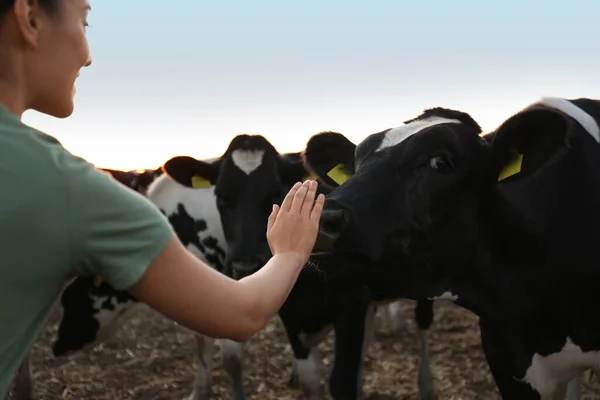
x: 333, y: 222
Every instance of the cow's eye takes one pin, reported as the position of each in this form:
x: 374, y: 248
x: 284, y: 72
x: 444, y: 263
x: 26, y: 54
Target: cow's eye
x: 440, y: 163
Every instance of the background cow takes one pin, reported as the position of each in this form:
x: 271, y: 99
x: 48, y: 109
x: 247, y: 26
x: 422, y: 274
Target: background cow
x: 138, y: 179
x: 497, y: 224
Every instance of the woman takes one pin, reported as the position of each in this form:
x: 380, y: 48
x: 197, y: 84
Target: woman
x: 60, y: 217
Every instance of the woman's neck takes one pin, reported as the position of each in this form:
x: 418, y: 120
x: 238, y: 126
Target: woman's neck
x: 13, y: 92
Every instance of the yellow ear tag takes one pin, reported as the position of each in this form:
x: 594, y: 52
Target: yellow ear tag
x: 97, y: 281
x: 309, y: 176
x: 199, y: 182
x: 511, y: 169
x: 338, y: 175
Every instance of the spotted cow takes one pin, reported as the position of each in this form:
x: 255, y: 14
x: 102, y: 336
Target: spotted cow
x: 497, y: 223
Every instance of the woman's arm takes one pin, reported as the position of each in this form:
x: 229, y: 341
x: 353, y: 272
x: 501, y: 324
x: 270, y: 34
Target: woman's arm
x: 183, y: 288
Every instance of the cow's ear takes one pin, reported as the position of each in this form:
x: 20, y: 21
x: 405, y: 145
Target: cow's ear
x: 292, y: 170
x: 330, y: 157
x: 124, y: 177
x: 146, y: 177
x: 191, y: 172
x: 527, y: 141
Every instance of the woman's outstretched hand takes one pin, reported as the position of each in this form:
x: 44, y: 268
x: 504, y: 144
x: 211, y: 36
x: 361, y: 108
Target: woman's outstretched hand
x: 184, y: 288
x: 292, y: 228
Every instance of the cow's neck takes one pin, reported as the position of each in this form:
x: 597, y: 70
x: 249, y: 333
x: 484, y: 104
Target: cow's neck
x: 484, y: 263
x: 532, y: 242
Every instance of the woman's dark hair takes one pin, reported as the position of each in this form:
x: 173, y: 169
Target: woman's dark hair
x: 50, y: 6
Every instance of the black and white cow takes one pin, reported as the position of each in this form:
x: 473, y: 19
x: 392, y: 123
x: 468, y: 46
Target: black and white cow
x: 250, y: 177
x: 502, y: 224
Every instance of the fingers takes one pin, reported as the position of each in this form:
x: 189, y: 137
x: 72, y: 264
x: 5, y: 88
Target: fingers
x: 287, y: 202
x: 315, y: 214
x: 299, y: 197
x: 309, y: 199
x: 272, y: 217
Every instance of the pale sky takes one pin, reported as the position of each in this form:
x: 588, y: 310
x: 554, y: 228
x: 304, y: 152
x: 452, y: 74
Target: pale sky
x: 185, y: 79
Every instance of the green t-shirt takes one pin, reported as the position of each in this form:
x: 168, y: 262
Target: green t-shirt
x: 59, y: 217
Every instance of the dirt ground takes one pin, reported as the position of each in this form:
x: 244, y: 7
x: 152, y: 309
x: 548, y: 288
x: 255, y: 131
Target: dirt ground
x: 153, y: 358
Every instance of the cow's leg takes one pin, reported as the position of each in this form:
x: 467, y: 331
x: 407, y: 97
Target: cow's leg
x: 498, y: 357
x: 396, y: 317
x: 306, y: 365
x: 353, y: 331
x: 306, y: 369
x: 23, y: 384
x: 369, y: 332
x: 424, y: 318
x: 574, y: 389
x: 294, y: 383
x: 309, y: 374
x: 560, y: 392
x: 203, y: 382
x: 233, y: 355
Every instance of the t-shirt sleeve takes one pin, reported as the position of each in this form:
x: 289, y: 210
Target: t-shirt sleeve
x: 115, y: 232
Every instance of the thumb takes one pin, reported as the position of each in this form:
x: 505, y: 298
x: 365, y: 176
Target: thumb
x: 272, y: 217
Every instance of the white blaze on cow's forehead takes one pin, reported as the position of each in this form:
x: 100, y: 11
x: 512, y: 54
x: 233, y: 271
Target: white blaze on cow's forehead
x: 399, y: 134
x: 247, y: 160
x: 586, y: 120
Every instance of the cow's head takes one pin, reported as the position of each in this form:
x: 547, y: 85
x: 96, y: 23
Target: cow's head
x: 248, y: 178
x: 92, y: 312
x: 419, y: 187
x: 145, y: 177
x: 397, y: 177
x: 138, y: 180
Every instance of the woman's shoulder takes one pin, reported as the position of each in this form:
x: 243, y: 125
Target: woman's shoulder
x: 32, y: 156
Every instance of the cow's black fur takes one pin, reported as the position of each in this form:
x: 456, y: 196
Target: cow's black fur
x: 429, y: 215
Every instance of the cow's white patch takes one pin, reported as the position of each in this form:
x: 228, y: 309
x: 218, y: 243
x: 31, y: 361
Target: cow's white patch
x: 396, y: 315
x: 550, y: 373
x: 247, y: 160
x: 201, y: 204
x: 399, y: 134
x: 565, y: 106
x: 444, y: 296
x: 309, y: 374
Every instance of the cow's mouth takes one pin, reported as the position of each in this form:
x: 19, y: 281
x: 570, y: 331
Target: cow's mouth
x: 324, y: 245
